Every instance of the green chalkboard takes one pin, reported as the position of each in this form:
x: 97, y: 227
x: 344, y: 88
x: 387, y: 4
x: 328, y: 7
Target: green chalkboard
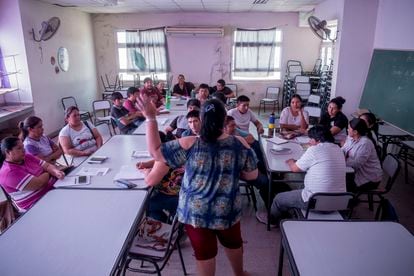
x: 389, y: 88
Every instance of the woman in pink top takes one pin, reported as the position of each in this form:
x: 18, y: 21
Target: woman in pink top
x: 24, y: 177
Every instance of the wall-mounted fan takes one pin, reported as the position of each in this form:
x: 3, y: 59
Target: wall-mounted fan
x: 48, y: 29
x: 320, y: 29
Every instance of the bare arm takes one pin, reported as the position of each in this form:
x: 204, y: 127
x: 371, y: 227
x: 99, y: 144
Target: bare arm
x: 37, y: 182
x: 289, y: 127
x: 56, y: 154
x: 259, y: 127
x: 156, y: 174
x: 335, y: 130
x: 53, y: 170
x: 68, y: 148
x: 292, y: 165
x: 98, y: 137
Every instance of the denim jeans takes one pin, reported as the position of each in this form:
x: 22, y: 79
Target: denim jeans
x: 285, y: 201
x: 160, y: 202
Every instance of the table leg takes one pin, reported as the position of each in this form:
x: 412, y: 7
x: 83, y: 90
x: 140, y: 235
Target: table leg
x: 281, y: 253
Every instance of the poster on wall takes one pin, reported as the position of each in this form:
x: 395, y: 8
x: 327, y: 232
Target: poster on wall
x: 63, y: 59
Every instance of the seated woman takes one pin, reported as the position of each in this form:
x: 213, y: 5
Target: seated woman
x: 335, y: 119
x: 166, y: 189
x: 294, y: 117
x: 24, y: 177
x: 35, y: 142
x: 372, y: 124
x: 78, y: 138
x: 182, y: 88
x: 360, y: 154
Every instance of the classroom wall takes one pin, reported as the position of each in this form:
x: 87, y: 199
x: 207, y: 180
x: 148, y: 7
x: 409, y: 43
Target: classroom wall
x: 11, y: 43
x: 395, y: 23
x: 206, y: 59
x: 75, y: 33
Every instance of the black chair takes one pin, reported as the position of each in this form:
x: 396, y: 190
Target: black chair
x: 249, y: 192
x: 157, y: 257
x: 71, y: 101
x: 391, y: 167
x: 327, y: 206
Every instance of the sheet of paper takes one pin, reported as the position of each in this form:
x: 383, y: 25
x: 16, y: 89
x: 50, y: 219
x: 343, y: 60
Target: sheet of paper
x: 162, y: 121
x: 129, y: 172
x: 92, y: 171
x: 302, y: 139
x: 140, y: 154
x: 70, y: 181
x: 276, y: 140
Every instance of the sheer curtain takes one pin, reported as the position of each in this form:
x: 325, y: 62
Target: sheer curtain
x: 256, y: 53
x: 146, y: 51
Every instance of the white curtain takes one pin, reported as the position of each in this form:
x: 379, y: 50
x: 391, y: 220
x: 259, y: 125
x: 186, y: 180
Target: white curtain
x: 146, y: 51
x: 255, y: 52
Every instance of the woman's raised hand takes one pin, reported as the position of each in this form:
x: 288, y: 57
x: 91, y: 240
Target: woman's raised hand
x: 146, y: 106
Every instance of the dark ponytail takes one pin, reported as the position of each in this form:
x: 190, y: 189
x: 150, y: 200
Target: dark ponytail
x: 339, y: 101
x: 29, y: 122
x: 213, y: 114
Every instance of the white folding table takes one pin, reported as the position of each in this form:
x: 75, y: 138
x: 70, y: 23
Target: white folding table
x: 72, y: 232
x: 347, y: 248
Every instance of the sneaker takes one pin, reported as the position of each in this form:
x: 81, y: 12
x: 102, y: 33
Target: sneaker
x: 261, y: 216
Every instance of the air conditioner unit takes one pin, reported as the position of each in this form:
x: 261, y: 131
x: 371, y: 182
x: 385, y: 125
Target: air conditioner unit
x: 194, y: 31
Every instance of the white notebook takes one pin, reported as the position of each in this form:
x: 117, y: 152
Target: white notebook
x: 276, y: 140
x: 129, y: 172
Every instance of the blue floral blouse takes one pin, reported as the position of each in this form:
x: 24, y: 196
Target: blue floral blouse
x: 209, y: 195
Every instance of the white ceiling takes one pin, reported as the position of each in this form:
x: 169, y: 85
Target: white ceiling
x: 161, y: 6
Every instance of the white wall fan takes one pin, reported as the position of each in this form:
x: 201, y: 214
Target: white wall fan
x: 320, y: 29
x: 48, y: 29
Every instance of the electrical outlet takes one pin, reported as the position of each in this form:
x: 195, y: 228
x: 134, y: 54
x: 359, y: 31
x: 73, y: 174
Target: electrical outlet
x: 253, y: 93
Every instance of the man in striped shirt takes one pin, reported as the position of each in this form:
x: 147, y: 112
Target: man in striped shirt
x: 324, y: 164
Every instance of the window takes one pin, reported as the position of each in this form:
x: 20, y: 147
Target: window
x: 142, y: 52
x: 327, y: 46
x: 257, y: 54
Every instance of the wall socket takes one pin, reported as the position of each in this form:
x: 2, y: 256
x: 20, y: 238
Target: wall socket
x: 253, y: 93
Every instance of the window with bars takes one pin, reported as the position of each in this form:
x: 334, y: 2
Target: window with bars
x: 142, y: 52
x: 257, y: 54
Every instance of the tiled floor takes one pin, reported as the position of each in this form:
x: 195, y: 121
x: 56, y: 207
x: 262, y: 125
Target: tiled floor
x: 261, y: 247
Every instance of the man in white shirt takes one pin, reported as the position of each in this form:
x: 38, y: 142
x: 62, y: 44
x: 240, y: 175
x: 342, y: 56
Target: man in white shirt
x: 243, y: 115
x: 324, y: 164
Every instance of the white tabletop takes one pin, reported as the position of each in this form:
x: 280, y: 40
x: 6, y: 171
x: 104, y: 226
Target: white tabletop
x: 119, y: 150
x: 388, y: 130
x: 72, y: 232
x: 350, y: 248
x: 409, y: 144
x: 277, y: 162
x: 163, y: 121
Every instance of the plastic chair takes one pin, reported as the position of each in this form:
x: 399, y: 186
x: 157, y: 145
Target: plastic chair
x: 326, y: 206
x: 314, y: 114
x: 8, y: 211
x: 157, y: 257
x: 303, y: 89
x: 272, y: 97
x: 232, y: 101
x: 391, y: 167
x: 249, y: 192
x: 314, y: 100
x: 71, y: 101
x: 104, y: 107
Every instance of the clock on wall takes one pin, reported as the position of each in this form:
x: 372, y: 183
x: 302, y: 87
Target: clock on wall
x: 63, y: 59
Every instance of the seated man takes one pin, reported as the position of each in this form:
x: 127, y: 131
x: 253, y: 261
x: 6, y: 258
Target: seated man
x: 125, y: 121
x: 194, y: 122
x: 180, y: 123
x: 202, y: 93
x: 152, y: 92
x: 221, y: 87
x: 324, y: 164
x: 243, y: 115
x: 182, y: 88
x: 131, y: 104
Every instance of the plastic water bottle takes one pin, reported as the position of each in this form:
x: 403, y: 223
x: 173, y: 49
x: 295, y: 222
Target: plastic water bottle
x: 168, y: 100
x: 271, y: 126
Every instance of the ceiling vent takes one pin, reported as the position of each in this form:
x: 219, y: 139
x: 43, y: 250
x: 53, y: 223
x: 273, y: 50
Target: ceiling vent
x: 194, y: 31
x: 258, y: 2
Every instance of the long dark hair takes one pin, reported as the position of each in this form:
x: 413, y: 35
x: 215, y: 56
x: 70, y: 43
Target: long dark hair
x: 213, y: 114
x: 7, y: 144
x: 321, y: 134
x: 372, y: 126
x: 29, y: 122
x: 359, y: 125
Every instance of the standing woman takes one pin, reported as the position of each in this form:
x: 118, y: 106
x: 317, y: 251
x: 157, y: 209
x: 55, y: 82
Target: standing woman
x: 24, y: 177
x: 360, y: 154
x: 77, y: 138
x: 335, y: 119
x: 209, y: 200
x: 35, y: 142
x: 294, y: 117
